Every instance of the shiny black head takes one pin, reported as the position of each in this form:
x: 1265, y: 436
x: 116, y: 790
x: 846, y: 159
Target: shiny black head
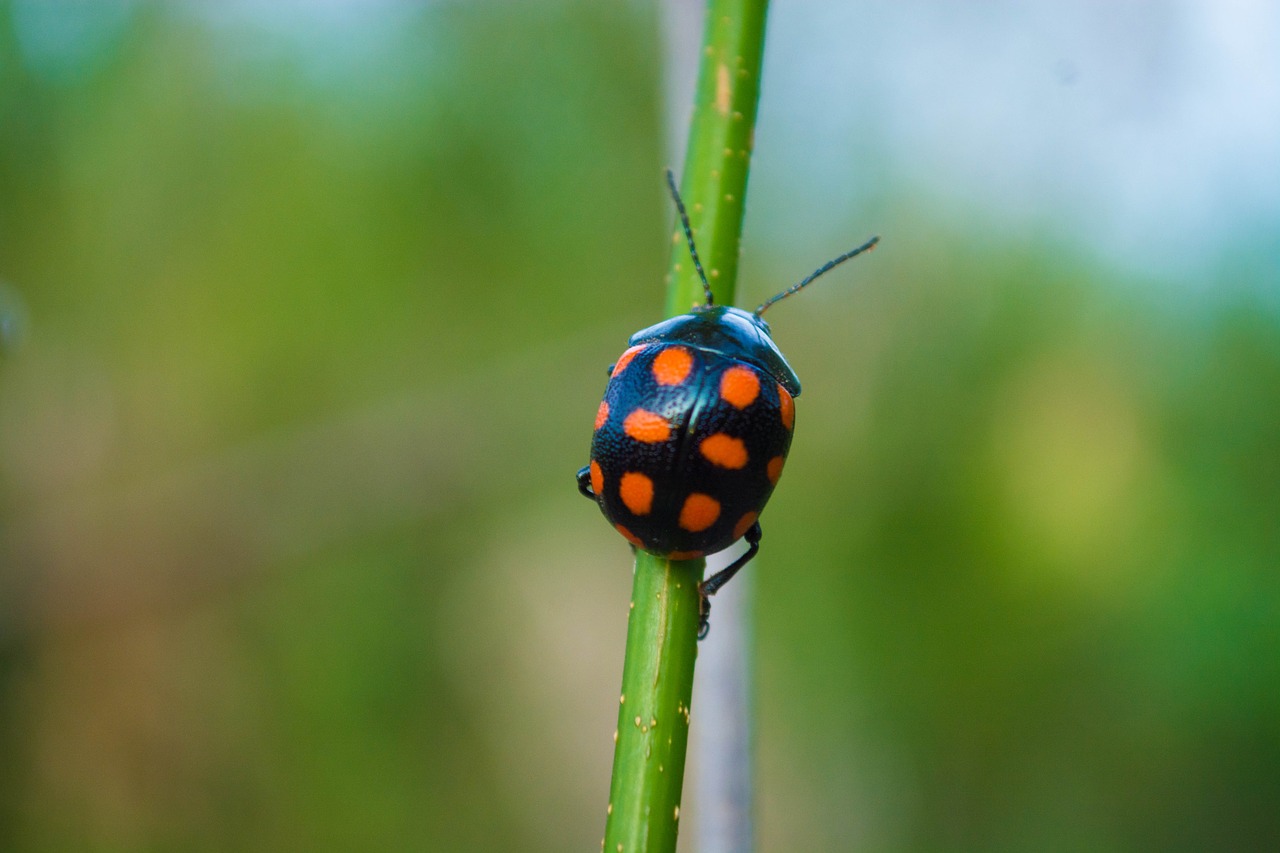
x: 728, y: 331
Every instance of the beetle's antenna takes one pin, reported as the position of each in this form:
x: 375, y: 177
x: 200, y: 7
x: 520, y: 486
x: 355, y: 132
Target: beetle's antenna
x: 865, y: 247
x: 688, y: 232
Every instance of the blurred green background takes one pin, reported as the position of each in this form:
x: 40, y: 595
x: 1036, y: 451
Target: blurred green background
x: 304, y: 312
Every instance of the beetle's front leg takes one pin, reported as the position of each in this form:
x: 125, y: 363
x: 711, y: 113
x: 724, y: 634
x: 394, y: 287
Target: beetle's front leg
x: 584, y: 482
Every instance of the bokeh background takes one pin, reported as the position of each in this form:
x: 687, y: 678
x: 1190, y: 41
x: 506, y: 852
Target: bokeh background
x: 304, y: 312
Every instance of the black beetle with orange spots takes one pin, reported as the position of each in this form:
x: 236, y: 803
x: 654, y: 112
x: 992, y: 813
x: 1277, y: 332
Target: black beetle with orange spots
x: 694, y: 429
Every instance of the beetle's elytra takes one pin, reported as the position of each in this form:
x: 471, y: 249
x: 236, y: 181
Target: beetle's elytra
x: 694, y: 429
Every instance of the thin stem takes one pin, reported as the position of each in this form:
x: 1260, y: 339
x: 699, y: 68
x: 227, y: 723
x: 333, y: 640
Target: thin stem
x: 718, y: 157
x: 654, y: 708
x: 657, y: 680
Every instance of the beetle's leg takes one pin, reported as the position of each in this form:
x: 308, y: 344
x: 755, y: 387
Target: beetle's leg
x: 584, y: 482
x: 608, y: 371
x: 711, y: 585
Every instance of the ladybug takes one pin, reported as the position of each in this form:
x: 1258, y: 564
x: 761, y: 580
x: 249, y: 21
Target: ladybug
x: 694, y: 428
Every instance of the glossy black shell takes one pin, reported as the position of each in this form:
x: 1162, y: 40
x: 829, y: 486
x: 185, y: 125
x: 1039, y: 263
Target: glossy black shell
x: 729, y: 331
x: 736, y: 471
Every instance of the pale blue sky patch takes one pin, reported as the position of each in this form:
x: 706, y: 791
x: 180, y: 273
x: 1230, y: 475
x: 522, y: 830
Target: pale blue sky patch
x: 65, y: 41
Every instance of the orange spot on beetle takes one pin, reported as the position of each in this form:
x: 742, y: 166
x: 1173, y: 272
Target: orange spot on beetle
x: 787, y: 406
x: 646, y: 426
x: 699, y: 512
x: 602, y: 414
x: 672, y: 366
x: 724, y: 450
x: 624, y: 360
x: 629, y: 536
x: 774, y: 469
x: 744, y: 524
x: 597, y: 477
x: 685, y: 555
x: 636, y: 491
x: 739, y: 386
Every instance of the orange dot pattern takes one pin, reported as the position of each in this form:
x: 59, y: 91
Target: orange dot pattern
x: 724, y: 450
x: 624, y: 360
x: 699, y: 512
x: 647, y: 426
x: 672, y: 366
x: 636, y: 491
x: 786, y: 408
x: 629, y: 536
x: 739, y: 387
x: 687, y: 448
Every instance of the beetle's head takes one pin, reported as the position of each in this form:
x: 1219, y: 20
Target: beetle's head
x: 729, y: 331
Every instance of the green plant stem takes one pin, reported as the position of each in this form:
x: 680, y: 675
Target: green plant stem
x: 653, y: 713
x: 657, y: 679
x: 717, y: 160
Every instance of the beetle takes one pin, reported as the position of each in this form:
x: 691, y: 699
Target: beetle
x: 694, y: 428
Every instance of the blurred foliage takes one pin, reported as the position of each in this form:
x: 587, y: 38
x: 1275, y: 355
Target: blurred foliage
x: 296, y: 365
